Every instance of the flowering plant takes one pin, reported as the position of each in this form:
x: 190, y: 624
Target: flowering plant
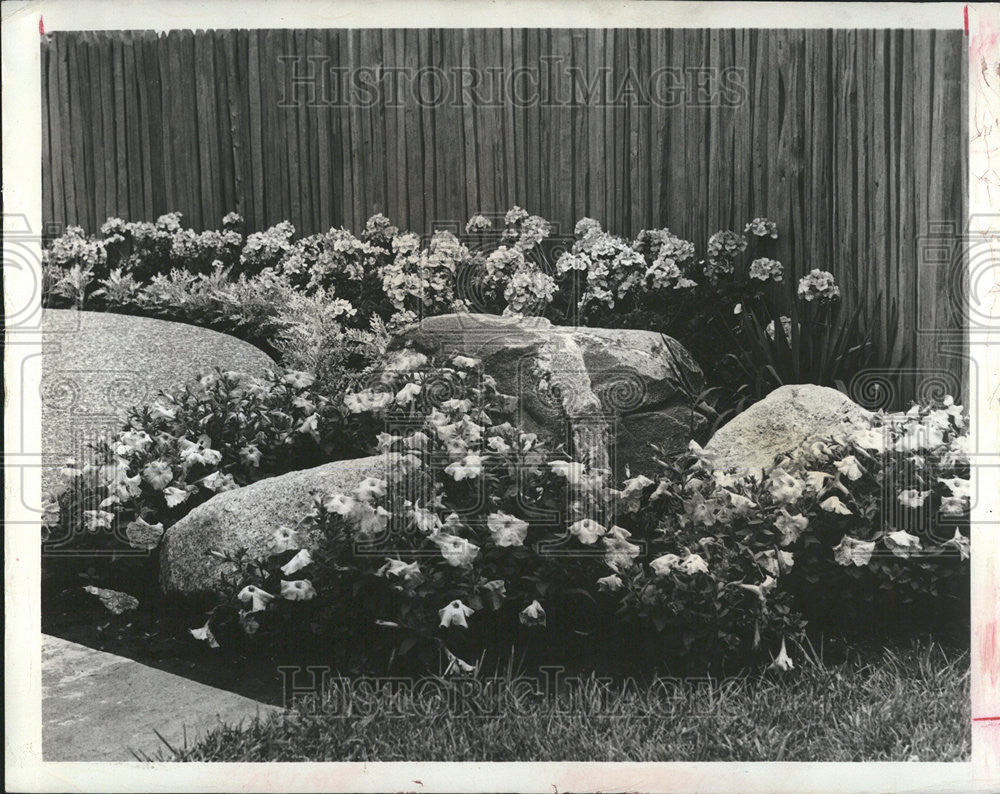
x: 480, y: 529
x: 219, y: 432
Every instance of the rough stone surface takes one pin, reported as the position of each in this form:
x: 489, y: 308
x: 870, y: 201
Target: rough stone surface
x: 246, y: 518
x: 97, y: 365
x: 780, y: 423
x: 606, y: 392
x: 101, y: 707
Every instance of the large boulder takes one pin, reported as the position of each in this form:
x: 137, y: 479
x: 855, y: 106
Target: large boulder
x: 247, y: 518
x: 97, y: 365
x: 781, y: 423
x: 607, y: 393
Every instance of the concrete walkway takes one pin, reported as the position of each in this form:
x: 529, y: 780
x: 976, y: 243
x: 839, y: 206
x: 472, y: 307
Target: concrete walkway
x: 97, y: 706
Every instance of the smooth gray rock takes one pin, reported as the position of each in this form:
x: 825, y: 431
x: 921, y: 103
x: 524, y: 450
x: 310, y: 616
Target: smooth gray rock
x: 607, y: 392
x: 97, y: 365
x: 247, y: 518
x: 100, y: 707
x: 781, y: 423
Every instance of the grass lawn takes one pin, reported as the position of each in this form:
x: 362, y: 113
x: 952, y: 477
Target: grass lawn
x: 899, y: 704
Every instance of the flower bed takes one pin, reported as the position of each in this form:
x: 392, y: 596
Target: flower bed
x: 482, y: 538
x: 749, y: 323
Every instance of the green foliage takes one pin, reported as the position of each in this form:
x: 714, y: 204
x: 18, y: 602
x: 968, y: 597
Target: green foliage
x: 895, y: 704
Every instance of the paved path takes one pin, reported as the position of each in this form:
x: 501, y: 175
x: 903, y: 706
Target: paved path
x: 97, y: 706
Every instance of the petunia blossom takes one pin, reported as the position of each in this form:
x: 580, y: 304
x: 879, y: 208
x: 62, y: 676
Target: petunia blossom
x: 961, y: 543
x: 913, y: 498
x: 610, y: 584
x: 533, y: 614
x: 832, y: 504
x: 297, y: 563
x: 853, y: 551
x: 587, y: 531
x: 782, y: 662
x: 455, y: 614
x: 849, y: 467
x: 902, y: 543
x: 299, y: 590
x: 256, y: 597
x: 507, y: 530
x: 457, y: 552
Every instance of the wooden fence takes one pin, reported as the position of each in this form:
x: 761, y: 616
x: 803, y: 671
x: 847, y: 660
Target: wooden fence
x: 853, y: 141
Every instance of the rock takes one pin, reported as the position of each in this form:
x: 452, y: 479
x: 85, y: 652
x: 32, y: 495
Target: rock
x: 247, y: 518
x: 97, y: 365
x: 780, y: 423
x: 606, y: 392
x: 114, y: 601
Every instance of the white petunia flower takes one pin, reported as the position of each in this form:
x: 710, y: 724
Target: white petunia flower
x: 913, y: 498
x: 158, y: 474
x: 832, y: 504
x: 853, y: 551
x: 455, y: 614
x: 457, y: 552
x: 470, y: 467
x: 784, y: 487
x: 297, y: 563
x: 587, y: 531
x: 664, y: 564
x: 763, y: 589
x: 849, y: 467
x: 953, y: 506
x: 507, y: 530
x: 790, y: 527
x: 257, y: 598
x: 571, y: 470
x: 299, y: 590
x: 369, y: 488
x: 339, y: 503
x: 175, y: 496
x: 610, y: 584
x: 408, y: 393
x: 283, y: 539
x: 902, y: 543
x: 958, y: 486
x: 692, y: 564
x: 782, y: 662
x: 533, y: 614
x: 497, y: 444
x: 408, y: 572
x: 205, y: 635
x: 961, y: 543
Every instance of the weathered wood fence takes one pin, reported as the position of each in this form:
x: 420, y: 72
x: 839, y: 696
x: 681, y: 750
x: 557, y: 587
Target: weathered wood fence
x: 851, y: 140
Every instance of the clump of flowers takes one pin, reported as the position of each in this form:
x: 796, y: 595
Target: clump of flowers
x: 721, y: 252
x: 478, y: 223
x: 764, y: 269
x: 266, y: 249
x: 522, y: 231
x: 219, y: 432
x: 762, y: 227
x: 454, y: 537
x: 610, y: 267
x: 818, y: 286
x: 422, y: 281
